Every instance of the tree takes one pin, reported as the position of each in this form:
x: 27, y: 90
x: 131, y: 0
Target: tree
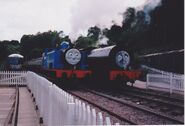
x: 114, y: 34
x: 129, y: 18
x: 85, y: 42
x: 67, y: 39
x: 34, y: 53
x: 167, y: 23
x: 140, y: 22
x: 94, y: 33
x: 8, y: 47
x: 40, y: 41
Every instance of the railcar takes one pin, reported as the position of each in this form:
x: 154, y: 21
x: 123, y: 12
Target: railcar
x: 15, y: 62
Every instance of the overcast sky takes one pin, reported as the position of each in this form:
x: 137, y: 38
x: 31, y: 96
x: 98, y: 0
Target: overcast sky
x: 74, y: 17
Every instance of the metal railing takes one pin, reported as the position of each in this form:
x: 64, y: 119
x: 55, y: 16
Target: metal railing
x: 57, y: 107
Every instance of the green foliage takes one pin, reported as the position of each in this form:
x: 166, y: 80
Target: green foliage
x: 165, y: 29
x: 85, y: 42
x: 2, y: 65
x: 167, y: 23
x: 129, y: 18
x: 35, y: 53
x: 7, y: 48
x: 114, y: 34
x: 94, y: 33
x: 40, y: 41
x: 32, y: 46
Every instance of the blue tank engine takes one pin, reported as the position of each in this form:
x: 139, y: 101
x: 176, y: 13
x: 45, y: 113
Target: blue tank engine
x: 65, y: 61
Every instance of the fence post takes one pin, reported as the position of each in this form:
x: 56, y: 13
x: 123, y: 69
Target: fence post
x: 100, y: 119
x: 93, y: 117
x: 80, y: 113
x: 171, y: 85
x: 83, y: 114
x: 77, y: 112
x: 50, y: 123
x: 147, y: 81
x: 107, y: 121
x: 70, y: 114
x: 88, y: 115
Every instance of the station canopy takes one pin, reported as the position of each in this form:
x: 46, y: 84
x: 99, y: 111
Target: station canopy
x: 16, y: 55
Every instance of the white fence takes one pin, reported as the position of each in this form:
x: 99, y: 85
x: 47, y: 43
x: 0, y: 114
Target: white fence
x: 57, y: 107
x: 13, y: 78
x: 171, y: 83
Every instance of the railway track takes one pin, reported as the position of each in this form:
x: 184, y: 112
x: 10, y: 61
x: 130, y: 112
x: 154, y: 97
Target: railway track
x: 124, y: 110
x: 9, y: 106
x: 163, y: 95
x: 102, y: 108
x: 169, y: 106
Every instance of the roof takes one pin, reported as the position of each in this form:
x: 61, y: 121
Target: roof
x: 16, y: 55
x: 101, y: 52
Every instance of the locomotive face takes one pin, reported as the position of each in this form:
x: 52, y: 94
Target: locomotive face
x: 73, y: 56
x: 122, y: 59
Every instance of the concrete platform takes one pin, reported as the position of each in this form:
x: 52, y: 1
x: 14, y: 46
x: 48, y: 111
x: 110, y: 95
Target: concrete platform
x: 7, y: 96
x: 139, y: 84
x: 27, y: 115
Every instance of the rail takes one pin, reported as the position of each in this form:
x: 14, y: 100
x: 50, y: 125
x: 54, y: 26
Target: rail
x: 16, y: 108
x: 57, y: 107
x: 12, y: 117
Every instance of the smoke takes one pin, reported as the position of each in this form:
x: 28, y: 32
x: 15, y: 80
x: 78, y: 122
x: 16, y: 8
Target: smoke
x: 149, y: 6
x: 104, y: 13
x: 103, y: 40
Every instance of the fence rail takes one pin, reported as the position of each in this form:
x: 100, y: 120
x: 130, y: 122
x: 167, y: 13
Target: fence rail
x: 57, y: 107
x: 171, y: 83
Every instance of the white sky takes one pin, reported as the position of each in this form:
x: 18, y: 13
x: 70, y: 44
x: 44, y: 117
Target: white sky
x: 74, y: 17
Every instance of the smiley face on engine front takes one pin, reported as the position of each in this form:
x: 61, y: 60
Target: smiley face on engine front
x: 73, y: 56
